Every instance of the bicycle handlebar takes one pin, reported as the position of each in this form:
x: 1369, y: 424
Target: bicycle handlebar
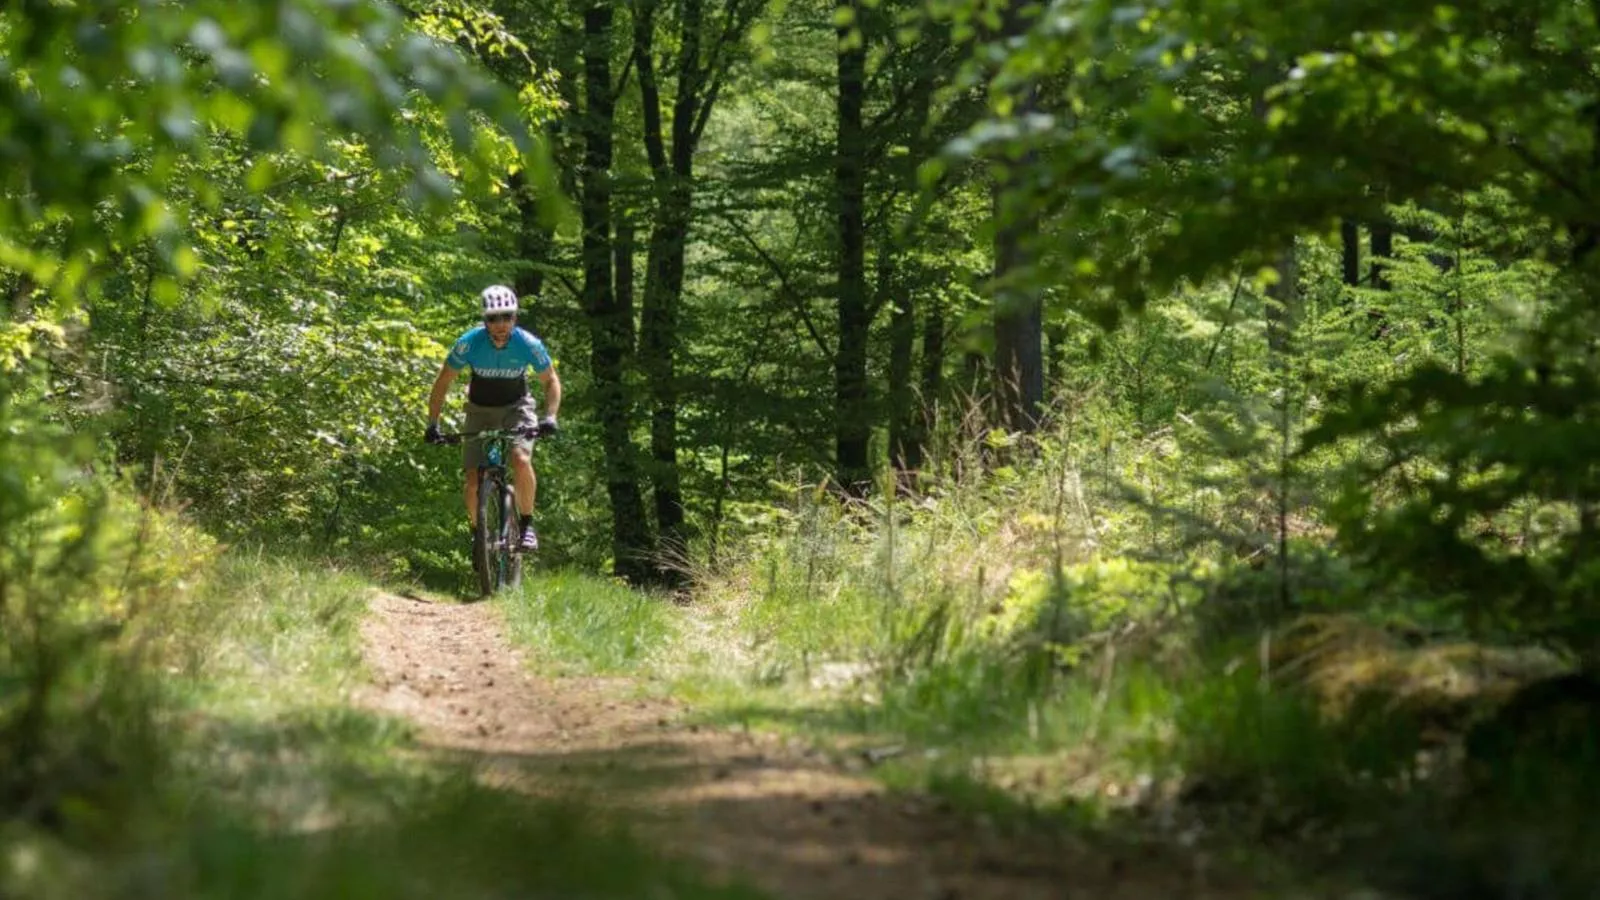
x: 458, y: 437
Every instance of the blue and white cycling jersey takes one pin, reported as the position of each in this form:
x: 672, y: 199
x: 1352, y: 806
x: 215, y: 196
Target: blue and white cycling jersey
x: 499, y: 374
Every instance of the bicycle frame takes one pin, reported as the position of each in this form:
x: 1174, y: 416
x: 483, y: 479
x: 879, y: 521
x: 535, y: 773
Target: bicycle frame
x: 495, y: 540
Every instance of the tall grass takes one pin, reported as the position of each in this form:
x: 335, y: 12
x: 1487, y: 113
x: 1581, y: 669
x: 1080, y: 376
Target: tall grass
x: 584, y: 623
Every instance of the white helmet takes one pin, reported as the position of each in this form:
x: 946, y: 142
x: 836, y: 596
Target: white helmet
x: 497, y: 298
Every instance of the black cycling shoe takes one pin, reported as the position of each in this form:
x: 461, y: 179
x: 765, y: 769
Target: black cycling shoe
x: 529, y: 542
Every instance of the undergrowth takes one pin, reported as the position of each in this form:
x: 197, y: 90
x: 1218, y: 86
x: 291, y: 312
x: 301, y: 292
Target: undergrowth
x: 273, y: 786
x: 1042, y: 632
x: 175, y: 721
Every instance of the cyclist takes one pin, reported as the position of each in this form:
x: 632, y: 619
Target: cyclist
x: 499, y: 354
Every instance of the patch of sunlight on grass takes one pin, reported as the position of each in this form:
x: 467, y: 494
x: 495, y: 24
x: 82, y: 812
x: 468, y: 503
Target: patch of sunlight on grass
x: 583, y: 623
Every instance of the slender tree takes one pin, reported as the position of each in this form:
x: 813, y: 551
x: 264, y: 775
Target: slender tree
x: 610, y: 321
x: 852, y: 409
x: 1018, y: 303
x: 701, y: 69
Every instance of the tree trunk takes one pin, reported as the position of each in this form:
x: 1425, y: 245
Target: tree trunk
x: 1283, y: 301
x: 932, y: 373
x: 610, y: 323
x: 622, y: 260
x: 1283, y: 310
x: 672, y: 170
x: 852, y: 418
x: 1055, y: 370
x: 1382, y: 252
x: 22, y: 303
x: 907, y: 419
x: 1018, y: 307
x: 1350, y: 241
x: 658, y: 345
x: 905, y: 432
x: 1018, y: 332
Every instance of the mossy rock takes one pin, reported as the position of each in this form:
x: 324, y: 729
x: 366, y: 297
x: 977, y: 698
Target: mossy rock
x: 1355, y: 667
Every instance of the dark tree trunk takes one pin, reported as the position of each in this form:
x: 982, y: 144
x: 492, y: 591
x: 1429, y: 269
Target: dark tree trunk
x: 1018, y: 308
x: 658, y: 345
x: 672, y: 171
x: 610, y: 323
x: 1055, y: 371
x: 622, y: 260
x: 905, y: 420
x: 852, y: 416
x: 1283, y: 310
x: 1018, y: 334
x: 1350, y: 241
x: 1382, y: 252
x: 932, y: 372
x: 907, y: 416
x: 22, y: 302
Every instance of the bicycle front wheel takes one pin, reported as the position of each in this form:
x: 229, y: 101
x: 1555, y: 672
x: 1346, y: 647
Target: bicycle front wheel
x: 498, y: 564
x: 485, y: 549
x: 510, y: 538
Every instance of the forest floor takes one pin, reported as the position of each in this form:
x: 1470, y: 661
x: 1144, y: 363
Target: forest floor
x: 751, y: 808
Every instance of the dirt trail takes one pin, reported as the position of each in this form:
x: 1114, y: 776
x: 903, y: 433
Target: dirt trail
x: 741, y: 804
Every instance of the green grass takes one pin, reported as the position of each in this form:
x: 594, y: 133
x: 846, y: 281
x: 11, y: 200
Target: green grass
x: 272, y: 786
x: 270, y: 633
x: 586, y: 624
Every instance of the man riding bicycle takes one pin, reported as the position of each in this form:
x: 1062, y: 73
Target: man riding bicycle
x: 499, y: 354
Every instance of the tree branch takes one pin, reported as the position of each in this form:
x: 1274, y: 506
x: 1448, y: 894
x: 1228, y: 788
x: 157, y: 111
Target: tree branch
x: 644, y: 24
x: 785, y: 284
x: 740, y: 13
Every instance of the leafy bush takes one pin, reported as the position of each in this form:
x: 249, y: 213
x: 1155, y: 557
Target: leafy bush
x: 86, y: 571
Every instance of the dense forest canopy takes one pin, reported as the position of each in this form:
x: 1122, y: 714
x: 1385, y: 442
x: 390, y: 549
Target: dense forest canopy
x: 1304, y: 291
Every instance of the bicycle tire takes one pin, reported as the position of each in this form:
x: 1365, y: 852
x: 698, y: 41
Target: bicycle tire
x: 511, y: 537
x: 488, y: 529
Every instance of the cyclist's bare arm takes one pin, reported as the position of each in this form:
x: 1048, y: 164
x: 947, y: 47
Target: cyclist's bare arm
x: 552, y: 391
x: 441, y: 388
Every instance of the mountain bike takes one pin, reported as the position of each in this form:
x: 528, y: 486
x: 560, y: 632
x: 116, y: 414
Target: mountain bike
x: 495, y: 557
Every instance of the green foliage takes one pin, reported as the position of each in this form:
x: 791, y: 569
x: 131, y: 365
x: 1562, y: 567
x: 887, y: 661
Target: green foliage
x: 1244, y: 736
x: 1488, y: 451
x: 1198, y: 140
x: 143, y: 101
x: 262, y: 615
x: 83, y: 567
x: 1008, y: 637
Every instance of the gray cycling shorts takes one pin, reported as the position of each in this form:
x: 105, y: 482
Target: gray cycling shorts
x: 522, y: 414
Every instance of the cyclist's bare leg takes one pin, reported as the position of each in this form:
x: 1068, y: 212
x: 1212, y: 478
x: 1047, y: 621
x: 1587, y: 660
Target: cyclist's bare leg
x: 527, y: 484
x: 471, y: 493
